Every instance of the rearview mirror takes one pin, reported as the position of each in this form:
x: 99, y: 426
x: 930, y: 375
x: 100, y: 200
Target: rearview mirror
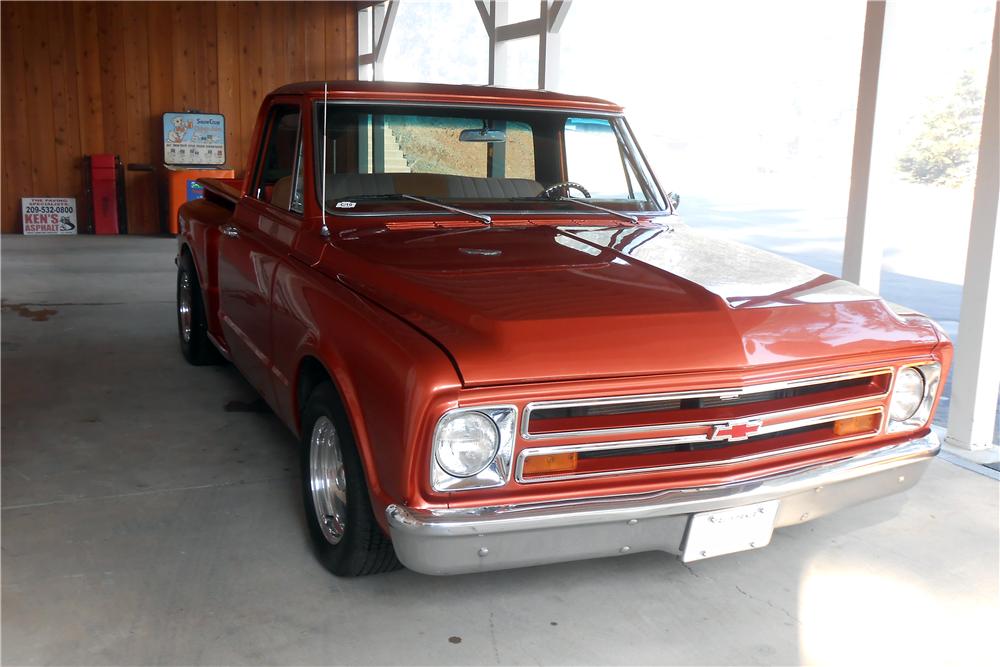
x: 482, y: 134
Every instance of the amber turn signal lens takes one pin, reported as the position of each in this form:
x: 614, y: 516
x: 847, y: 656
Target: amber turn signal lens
x: 538, y: 465
x: 853, y: 425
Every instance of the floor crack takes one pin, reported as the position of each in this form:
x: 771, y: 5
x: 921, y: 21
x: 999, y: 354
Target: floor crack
x: 769, y: 604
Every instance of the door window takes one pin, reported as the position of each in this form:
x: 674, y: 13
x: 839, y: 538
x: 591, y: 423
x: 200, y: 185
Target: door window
x: 278, y: 167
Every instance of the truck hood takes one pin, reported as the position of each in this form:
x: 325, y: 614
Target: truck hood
x: 539, y: 302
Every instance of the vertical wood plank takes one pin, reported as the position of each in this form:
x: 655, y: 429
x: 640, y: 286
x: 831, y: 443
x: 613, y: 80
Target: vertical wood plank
x: 206, y: 63
x: 110, y: 33
x: 159, y: 23
x: 90, y: 107
x: 315, y: 41
x: 274, y: 52
x: 294, y: 42
x: 16, y: 147
x: 140, y: 186
x: 65, y: 112
x: 341, y: 41
x: 228, y: 54
x: 251, y: 74
x: 37, y: 42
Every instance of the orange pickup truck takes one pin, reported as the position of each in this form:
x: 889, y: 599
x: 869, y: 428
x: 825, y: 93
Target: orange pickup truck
x: 501, y: 346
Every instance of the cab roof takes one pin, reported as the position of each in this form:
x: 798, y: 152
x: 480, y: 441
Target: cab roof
x: 384, y: 91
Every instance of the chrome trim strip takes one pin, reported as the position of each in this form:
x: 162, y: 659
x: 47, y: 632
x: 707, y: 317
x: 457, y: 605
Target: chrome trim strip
x: 634, y: 444
x: 708, y: 393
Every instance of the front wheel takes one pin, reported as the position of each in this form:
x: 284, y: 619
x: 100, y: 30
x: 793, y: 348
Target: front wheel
x: 347, y: 539
x: 192, y: 326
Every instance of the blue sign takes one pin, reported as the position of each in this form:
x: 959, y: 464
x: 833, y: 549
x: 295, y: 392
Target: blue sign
x: 195, y: 190
x: 194, y: 139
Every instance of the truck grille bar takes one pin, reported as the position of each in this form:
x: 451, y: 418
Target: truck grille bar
x: 684, y: 430
x: 665, y: 412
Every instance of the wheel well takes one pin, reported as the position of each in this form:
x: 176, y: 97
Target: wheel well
x: 311, y: 374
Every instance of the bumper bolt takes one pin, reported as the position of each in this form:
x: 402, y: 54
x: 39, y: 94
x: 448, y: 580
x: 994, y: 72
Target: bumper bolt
x: 483, y: 552
x: 625, y: 550
x: 902, y: 479
x: 632, y: 522
x: 804, y: 516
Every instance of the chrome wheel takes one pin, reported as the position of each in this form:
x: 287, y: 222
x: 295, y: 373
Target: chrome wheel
x: 327, y: 480
x: 184, y: 303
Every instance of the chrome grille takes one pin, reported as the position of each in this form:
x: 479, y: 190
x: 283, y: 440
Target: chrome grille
x: 664, y: 412
x: 692, y: 429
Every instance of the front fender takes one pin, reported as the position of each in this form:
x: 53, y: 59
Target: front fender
x: 392, y: 379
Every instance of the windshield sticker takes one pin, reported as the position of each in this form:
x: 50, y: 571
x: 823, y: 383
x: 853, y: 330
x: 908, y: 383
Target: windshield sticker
x: 346, y: 204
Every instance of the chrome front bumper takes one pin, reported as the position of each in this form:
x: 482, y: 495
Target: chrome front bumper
x: 455, y: 541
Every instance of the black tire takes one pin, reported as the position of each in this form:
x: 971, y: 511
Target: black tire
x: 361, y: 548
x: 197, y: 349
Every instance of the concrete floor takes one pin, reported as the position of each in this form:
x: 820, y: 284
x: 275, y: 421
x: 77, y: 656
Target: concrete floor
x: 144, y: 523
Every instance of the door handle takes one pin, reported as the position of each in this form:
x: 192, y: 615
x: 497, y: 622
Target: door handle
x: 231, y: 231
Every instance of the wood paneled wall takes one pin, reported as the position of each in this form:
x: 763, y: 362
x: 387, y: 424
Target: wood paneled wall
x: 95, y: 77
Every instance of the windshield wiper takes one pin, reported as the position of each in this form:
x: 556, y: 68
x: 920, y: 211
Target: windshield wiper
x: 478, y: 216
x: 633, y: 219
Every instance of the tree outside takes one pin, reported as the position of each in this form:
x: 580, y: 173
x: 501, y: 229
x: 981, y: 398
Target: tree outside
x: 944, y: 152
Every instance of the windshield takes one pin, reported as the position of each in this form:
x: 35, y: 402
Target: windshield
x: 489, y: 160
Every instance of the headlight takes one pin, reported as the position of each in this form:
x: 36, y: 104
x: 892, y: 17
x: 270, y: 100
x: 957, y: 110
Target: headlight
x: 465, y: 443
x: 473, y: 448
x: 913, y: 396
x: 907, y: 395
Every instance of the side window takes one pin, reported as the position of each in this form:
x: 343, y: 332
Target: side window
x: 279, y: 163
x: 594, y: 159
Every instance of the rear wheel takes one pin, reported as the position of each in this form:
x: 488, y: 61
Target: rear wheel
x: 347, y: 539
x: 192, y: 327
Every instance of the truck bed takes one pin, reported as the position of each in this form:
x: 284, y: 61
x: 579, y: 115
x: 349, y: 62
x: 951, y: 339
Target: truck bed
x: 226, y: 189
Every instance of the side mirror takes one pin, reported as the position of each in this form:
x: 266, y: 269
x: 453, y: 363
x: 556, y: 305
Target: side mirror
x: 674, y: 201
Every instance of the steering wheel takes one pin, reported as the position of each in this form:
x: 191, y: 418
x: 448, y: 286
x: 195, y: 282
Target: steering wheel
x: 565, y: 187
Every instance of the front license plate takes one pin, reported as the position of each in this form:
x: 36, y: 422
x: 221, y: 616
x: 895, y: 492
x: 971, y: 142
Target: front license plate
x: 728, y: 531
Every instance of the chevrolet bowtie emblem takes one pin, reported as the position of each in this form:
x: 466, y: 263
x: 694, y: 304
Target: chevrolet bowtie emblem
x: 735, y: 430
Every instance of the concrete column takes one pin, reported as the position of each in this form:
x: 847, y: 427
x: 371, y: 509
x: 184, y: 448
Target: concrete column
x: 862, y: 240
x: 976, y: 381
x: 364, y: 40
x: 498, y: 48
x: 378, y: 20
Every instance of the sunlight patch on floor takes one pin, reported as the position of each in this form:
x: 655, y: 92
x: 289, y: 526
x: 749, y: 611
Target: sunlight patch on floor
x: 852, y: 617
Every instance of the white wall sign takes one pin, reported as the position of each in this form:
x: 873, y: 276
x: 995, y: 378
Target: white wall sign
x: 48, y: 215
x: 194, y: 138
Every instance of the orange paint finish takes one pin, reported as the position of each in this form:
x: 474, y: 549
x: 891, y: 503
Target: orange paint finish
x: 408, y: 325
